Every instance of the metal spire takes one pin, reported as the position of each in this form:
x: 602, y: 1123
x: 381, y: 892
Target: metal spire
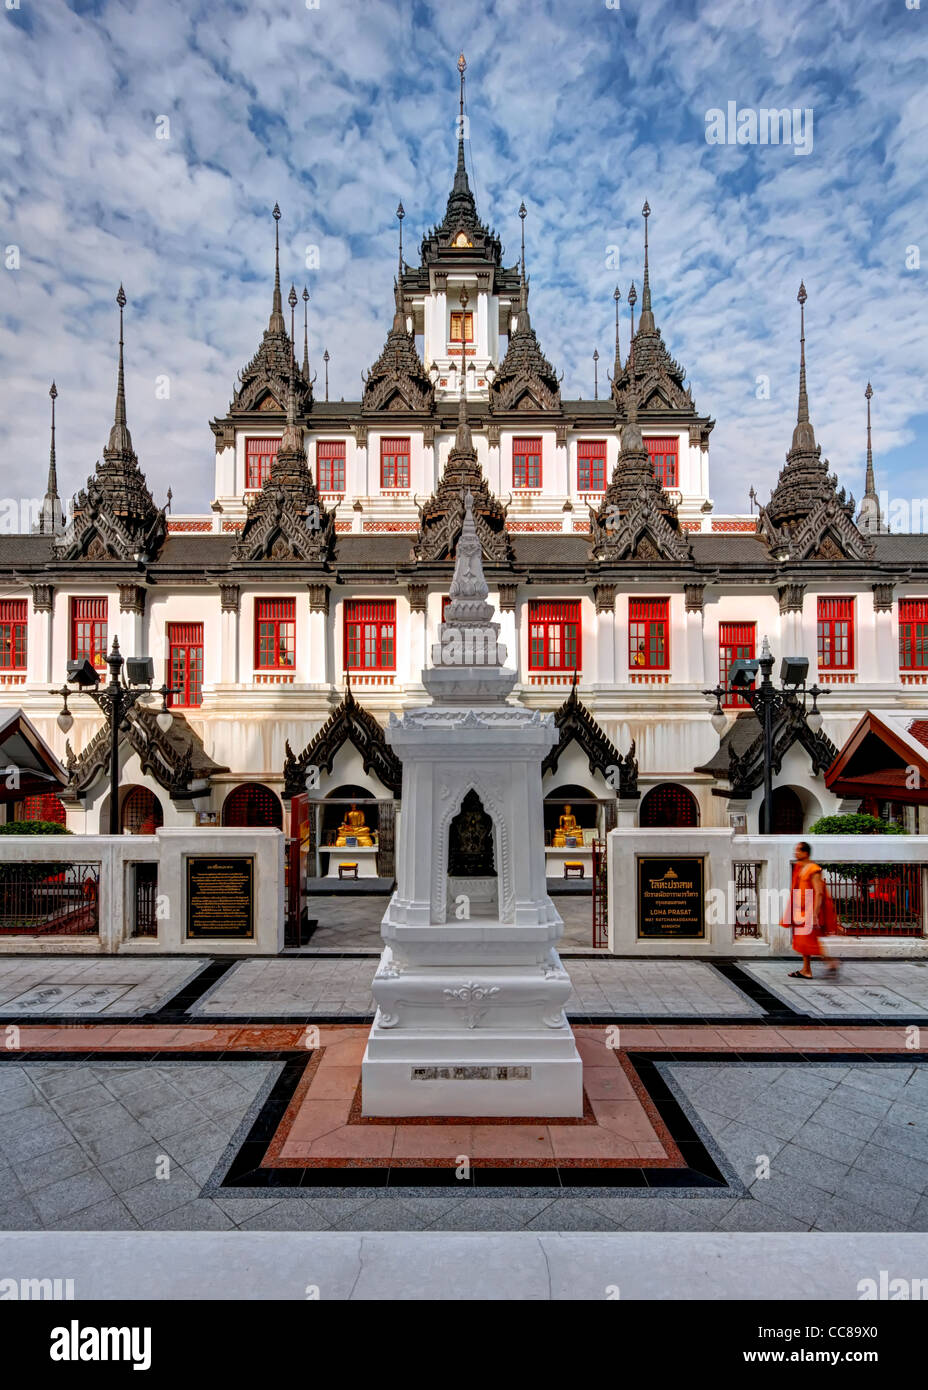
x: 401, y: 213
x: 646, y: 322
x: 803, y: 413
x: 460, y: 174
x: 50, y: 517
x: 325, y: 358
x: 595, y: 374
x: 291, y: 393
x: 870, y: 489
x: 120, y: 439
x: 523, y: 214
x: 617, y: 366
x: 53, y: 470
x: 305, y: 334
x: 277, y: 324
x: 632, y: 383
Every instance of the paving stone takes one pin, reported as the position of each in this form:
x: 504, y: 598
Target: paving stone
x: 207, y: 1139
x: 790, y: 1195
x: 51, y: 1167
x: 900, y: 1138
x: 108, y: 1215
x: 843, y: 1214
x: 893, y: 1166
x: 198, y: 1215
x: 803, y: 1165
x: 830, y: 1142
x: 171, y: 1119
x: 879, y: 1195
x: 44, y: 1138
x: 154, y: 1198
x: 69, y: 1195
x: 573, y: 1214
x: 749, y: 1215
x: 297, y: 1215
x: 132, y: 1169
x: 846, y: 1121
x: 490, y: 1214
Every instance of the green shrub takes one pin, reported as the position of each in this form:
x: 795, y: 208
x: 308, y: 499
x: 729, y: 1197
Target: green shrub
x: 33, y: 827
x: 855, y: 824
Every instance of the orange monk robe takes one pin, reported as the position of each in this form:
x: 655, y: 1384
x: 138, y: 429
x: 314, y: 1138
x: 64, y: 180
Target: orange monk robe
x: 799, y: 915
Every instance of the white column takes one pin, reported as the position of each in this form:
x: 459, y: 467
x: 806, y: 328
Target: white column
x: 318, y: 664
x: 132, y: 620
x: 887, y: 652
x: 792, y: 637
x: 621, y: 640
x: 229, y: 630
x: 418, y: 632
x: 695, y: 642
x: 605, y: 635
x: 508, y: 633
x: 39, y: 654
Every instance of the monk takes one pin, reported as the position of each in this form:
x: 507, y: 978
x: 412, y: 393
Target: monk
x: 810, y: 913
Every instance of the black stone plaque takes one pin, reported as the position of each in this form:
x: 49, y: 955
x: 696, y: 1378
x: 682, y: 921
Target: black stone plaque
x: 671, y: 899
x: 220, y: 896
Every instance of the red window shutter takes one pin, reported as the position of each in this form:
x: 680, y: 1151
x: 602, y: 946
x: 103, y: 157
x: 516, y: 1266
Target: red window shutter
x: 913, y: 634
x: 649, y: 634
x: 835, y: 634
x: 259, y: 455
x: 89, y: 630
x: 46, y: 806
x: 394, y: 463
x: 13, y: 634
x: 330, y: 465
x: 591, y: 465
x: 555, y: 635
x: 275, y: 634
x: 735, y: 640
x: 370, y: 635
x: 664, y: 457
x: 526, y: 463
x: 185, y: 663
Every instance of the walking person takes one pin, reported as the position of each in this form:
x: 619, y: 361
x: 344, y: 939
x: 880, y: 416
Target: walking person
x: 810, y: 913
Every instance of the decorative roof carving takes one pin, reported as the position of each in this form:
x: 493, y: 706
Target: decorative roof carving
x: 575, y: 723
x: 176, y: 760
x: 442, y: 516
x: 636, y: 520
x: 263, y: 382
x: 807, y: 517
x: 351, y: 723
x: 398, y: 380
x: 525, y: 380
x: 115, y: 516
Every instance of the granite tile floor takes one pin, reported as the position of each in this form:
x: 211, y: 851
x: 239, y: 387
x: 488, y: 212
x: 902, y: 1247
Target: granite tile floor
x: 111, y: 1145
x: 884, y: 989
x: 91, y: 985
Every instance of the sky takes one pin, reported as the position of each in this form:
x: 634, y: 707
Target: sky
x: 340, y: 109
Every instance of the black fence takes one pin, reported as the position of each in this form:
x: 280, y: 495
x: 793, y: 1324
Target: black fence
x: 877, y: 899
x: 52, y: 899
x: 145, y: 900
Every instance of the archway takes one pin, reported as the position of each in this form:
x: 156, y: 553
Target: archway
x: 254, y: 806
x: 141, y: 812
x: 349, y: 800
x: 472, y: 879
x: 669, y: 804
x: 584, y: 808
x: 788, y: 816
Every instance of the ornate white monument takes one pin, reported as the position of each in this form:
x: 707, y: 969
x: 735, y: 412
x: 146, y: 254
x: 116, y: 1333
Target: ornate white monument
x: 470, y: 989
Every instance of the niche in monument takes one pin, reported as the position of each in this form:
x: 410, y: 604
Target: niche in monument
x: 472, y: 886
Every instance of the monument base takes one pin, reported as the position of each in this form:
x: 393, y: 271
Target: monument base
x: 471, y: 1040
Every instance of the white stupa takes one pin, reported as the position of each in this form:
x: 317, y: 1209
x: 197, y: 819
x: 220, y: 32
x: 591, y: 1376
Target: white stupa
x: 470, y: 989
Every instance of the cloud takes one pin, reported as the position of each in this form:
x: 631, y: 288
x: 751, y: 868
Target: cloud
x: 340, y: 112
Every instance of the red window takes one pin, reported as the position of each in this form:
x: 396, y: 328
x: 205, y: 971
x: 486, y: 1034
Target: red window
x: 185, y: 663
x: 330, y: 465
x: 88, y: 630
x: 735, y: 640
x: 913, y: 633
x: 554, y: 636
x: 664, y: 459
x: 13, y: 621
x: 526, y: 463
x: 275, y: 634
x: 462, y: 323
x: 649, y: 634
x: 370, y: 635
x: 259, y: 455
x: 835, y: 634
x: 43, y: 807
x: 591, y: 465
x: 394, y: 463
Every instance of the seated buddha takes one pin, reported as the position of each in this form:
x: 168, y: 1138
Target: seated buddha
x: 567, y: 825
x: 354, y: 826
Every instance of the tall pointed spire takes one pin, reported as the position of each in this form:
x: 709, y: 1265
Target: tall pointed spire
x: 276, y: 323
x: 400, y: 214
x: 646, y: 322
x: 522, y: 215
x: 120, y: 440
x: 870, y: 489
x: 460, y: 174
x: 617, y: 364
x: 305, y: 334
x: 870, y: 518
x: 50, y: 517
x: 803, y: 434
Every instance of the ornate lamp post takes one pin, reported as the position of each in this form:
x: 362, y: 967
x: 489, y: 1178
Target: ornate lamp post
x: 767, y: 701
x: 115, y: 699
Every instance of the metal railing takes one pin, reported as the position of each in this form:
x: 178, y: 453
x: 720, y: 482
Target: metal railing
x: 877, y: 899
x: 747, y: 902
x: 145, y: 900
x: 49, y: 899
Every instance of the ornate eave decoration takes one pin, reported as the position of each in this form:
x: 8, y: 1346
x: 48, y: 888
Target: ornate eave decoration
x: 278, y: 529
x: 526, y: 381
x: 176, y: 760
x: 264, y: 381
x: 351, y: 723
x: 746, y: 770
x: 398, y: 381
x: 636, y: 521
x: 575, y: 723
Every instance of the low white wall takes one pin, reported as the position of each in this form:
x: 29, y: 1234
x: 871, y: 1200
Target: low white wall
x: 169, y: 849
x: 722, y: 850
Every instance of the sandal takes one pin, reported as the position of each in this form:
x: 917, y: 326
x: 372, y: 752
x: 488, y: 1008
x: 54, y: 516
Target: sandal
x: 798, y: 975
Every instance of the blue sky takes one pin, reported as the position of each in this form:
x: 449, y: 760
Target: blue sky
x: 339, y: 112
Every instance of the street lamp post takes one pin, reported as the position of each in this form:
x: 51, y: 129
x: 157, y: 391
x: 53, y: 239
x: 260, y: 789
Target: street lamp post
x: 115, y: 699
x: 767, y: 701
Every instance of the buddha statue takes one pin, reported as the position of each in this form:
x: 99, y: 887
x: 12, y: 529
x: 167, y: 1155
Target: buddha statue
x: 567, y: 825
x: 354, y: 827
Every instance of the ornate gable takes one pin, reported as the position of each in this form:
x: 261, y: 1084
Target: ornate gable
x: 636, y: 521
x: 525, y: 380
x: 351, y: 723
x: 575, y: 723
x: 398, y: 381
x: 176, y: 759
x: 263, y: 383
x: 442, y: 516
x: 746, y: 769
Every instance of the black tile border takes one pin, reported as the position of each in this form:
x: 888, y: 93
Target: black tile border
x: 188, y: 994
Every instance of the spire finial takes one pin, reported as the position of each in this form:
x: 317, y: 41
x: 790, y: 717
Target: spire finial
x: 50, y: 515
x: 803, y: 413
x: 305, y: 334
x: 291, y: 393
x: 632, y: 385
x: 617, y: 366
x: 523, y: 214
x: 326, y: 359
x: 646, y: 322
x: 462, y: 68
x: 276, y: 324
x: 596, y: 374
x: 120, y: 440
x: 400, y: 214
x: 870, y: 490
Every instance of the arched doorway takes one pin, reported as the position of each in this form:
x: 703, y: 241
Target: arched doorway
x: 254, y: 806
x: 141, y: 812
x: 472, y: 880
x: 788, y: 815
x: 669, y: 804
x: 342, y: 808
x: 583, y: 808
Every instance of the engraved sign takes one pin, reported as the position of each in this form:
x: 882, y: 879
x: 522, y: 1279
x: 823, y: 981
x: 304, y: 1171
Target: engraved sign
x: 671, y: 900
x: 220, y: 896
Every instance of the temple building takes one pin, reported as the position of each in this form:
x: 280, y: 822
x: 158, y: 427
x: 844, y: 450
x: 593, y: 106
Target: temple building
x: 296, y: 612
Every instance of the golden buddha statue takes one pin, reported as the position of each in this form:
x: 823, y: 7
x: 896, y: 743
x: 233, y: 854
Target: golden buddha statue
x: 567, y: 825
x: 354, y: 827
